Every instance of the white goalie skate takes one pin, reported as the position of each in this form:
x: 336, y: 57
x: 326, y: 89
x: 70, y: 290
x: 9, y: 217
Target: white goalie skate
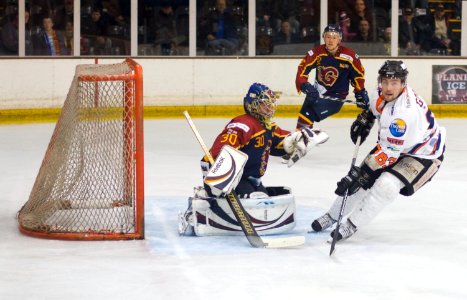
x: 185, y: 220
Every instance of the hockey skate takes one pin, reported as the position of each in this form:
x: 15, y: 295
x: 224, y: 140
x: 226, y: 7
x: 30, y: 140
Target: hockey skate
x: 346, y: 230
x: 323, y: 222
x: 285, y: 158
x: 185, y: 220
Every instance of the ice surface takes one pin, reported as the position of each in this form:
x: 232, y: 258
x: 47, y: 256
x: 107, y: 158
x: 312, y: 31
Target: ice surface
x: 415, y: 249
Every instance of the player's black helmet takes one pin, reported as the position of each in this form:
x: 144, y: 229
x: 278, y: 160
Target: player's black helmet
x: 394, y: 69
x: 333, y: 28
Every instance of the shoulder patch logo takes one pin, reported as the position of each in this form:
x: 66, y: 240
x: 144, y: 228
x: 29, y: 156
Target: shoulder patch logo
x: 398, y: 127
x: 348, y: 57
x: 242, y: 126
x: 310, y: 53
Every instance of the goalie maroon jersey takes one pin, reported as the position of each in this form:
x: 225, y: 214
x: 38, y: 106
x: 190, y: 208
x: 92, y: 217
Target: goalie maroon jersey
x: 333, y: 73
x: 248, y: 135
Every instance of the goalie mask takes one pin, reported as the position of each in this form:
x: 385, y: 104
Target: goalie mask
x: 393, y: 69
x: 260, y: 102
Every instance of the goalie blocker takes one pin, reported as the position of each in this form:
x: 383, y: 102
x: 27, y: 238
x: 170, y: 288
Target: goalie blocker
x: 208, y: 216
x: 226, y: 171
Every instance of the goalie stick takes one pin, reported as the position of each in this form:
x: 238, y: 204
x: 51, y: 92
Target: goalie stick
x: 239, y: 211
x: 344, y: 201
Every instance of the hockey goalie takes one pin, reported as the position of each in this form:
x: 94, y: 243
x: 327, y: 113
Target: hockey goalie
x: 241, y: 152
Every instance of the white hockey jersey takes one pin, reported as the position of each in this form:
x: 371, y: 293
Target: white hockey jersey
x: 407, y: 127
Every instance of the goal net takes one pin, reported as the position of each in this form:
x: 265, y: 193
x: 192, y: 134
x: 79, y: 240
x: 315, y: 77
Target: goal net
x: 90, y: 185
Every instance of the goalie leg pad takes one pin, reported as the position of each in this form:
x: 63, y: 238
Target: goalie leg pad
x: 269, y: 215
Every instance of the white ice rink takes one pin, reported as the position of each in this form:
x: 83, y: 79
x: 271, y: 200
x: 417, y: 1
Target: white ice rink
x: 415, y: 249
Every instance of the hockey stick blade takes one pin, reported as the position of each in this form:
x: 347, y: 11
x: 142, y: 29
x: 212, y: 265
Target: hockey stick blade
x: 286, y: 242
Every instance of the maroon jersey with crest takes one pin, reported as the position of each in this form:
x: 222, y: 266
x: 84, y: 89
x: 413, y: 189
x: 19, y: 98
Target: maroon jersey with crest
x: 248, y: 135
x: 332, y: 72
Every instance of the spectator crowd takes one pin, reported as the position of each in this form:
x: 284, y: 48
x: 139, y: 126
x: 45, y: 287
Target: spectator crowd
x: 425, y: 27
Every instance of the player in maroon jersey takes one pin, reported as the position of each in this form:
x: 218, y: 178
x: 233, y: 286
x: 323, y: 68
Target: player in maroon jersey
x: 336, y: 66
x: 255, y: 134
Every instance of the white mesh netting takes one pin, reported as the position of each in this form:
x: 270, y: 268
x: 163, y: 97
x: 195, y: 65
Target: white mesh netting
x: 86, y: 183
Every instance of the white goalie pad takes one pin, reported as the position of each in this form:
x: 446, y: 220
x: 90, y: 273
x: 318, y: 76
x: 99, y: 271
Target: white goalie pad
x: 212, y: 216
x: 226, y: 171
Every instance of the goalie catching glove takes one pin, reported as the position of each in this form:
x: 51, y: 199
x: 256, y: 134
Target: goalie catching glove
x: 298, y: 143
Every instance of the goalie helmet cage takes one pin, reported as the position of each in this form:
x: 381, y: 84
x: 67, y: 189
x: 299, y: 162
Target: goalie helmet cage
x: 90, y: 185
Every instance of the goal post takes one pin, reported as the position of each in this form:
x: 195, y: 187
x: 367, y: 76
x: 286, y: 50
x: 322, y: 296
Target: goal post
x: 90, y: 185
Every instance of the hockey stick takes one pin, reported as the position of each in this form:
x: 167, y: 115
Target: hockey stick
x: 337, y: 99
x: 239, y: 211
x: 344, y: 200
x: 279, y: 94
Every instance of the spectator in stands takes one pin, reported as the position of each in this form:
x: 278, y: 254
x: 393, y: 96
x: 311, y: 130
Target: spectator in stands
x: 263, y: 13
x: 359, y: 13
x: 286, y: 35
x: 344, y: 22
x: 410, y: 33
x: 116, y: 14
x: 69, y: 37
x: 286, y: 10
x: 63, y: 14
x: 386, y: 40
x: 9, y: 34
x: 439, y: 41
x: 166, y: 30
x: 364, y: 33
x: 336, y: 7
x: 94, y: 30
x: 264, y: 27
x: 219, y: 30
x: 264, y: 40
x: 48, y: 41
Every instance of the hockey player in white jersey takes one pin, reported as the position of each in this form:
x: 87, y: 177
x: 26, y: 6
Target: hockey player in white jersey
x: 408, y: 153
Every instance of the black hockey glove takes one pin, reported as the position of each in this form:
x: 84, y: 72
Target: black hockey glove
x: 311, y: 92
x: 354, y: 180
x: 362, y: 126
x: 362, y: 99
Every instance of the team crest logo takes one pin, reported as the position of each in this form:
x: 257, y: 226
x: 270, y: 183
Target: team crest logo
x: 327, y: 75
x: 398, y: 127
